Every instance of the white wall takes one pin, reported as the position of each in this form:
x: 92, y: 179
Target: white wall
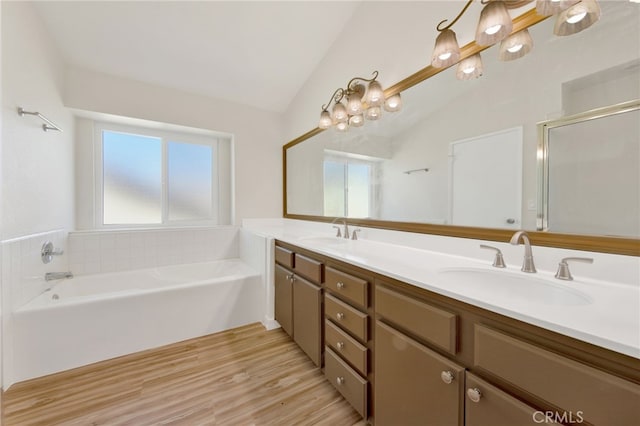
x: 37, y: 166
x: 36, y: 171
x: 257, y: 134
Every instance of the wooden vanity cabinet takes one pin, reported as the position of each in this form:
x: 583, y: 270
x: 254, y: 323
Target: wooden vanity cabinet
x: 348, y: 335
x: 307, y: 318
x: 487, y: 405
x: 298, y: 300
x: 516, y: 373
x: 580, y: 391
x: 403, y: 355
x: 283, y: 296
x: 414, y: 385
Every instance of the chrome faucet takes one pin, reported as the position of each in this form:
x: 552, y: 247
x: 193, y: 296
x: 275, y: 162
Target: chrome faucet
x: 527, y: 265
x: 57, y: 275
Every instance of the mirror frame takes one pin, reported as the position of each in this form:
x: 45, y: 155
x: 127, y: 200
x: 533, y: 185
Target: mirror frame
x: 614, y: 245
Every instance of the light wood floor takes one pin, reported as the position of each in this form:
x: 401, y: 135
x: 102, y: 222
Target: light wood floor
x: 245, y: 376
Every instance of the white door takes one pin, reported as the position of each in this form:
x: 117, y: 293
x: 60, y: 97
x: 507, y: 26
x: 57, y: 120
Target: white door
x: 485, y: 180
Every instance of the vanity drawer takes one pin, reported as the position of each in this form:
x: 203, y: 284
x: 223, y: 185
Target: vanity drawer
x: 433, y: 324
x: 346, y: 346
x: 601, y: 398
x: 346, y: 317
x: 285, y: 257
x: 349, y: 383
x: 347, y: 286
x: 309, y: 268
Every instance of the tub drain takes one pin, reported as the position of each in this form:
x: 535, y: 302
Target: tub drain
x: 55, y: 297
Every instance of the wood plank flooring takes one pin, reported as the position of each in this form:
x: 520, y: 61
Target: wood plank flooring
x: 244, y: 376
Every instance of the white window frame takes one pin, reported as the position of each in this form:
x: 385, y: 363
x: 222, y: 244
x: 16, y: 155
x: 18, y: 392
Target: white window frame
x: 166, y: 137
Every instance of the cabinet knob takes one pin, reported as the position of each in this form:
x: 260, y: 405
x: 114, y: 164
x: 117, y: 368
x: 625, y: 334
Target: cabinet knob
x: 339, y: 316
x: 340, y: 381
x: 340, y: 284
x: 474, y: 394
x: 340, y: 345
x: 447, y: 377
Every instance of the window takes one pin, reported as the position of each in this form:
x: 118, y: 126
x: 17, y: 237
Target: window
x: 350, y: 188
x: 147, y: 177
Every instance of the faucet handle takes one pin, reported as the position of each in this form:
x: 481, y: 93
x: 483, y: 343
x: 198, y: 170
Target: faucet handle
x: 354, y: 235
x: 338, y: 233
x: 563, y: 267
x: 48, y: 251
x: 498, y: 261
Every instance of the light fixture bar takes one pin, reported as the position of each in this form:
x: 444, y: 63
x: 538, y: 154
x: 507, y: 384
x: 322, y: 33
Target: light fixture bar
x: 525, y: 20
x: 353, y: 114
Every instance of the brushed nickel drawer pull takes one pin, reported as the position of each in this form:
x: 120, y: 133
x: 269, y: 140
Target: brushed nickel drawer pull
x: 340, y: 285
x: 474, y: 394
x: 340, y: 345
x: 447, y: 377
x: 339, y: 316
x: 340, y: 381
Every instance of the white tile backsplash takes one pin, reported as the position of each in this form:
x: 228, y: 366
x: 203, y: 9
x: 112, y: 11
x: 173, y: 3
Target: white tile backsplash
x: 93, y: 252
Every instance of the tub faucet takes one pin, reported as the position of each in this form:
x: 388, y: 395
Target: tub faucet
x: 57, y: 275
x: 527, y: 264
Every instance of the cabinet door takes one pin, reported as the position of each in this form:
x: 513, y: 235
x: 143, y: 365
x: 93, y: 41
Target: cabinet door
x: 283, y: 299
x: 307, y: 300
x: 487, y: 405
x: 411, y: 383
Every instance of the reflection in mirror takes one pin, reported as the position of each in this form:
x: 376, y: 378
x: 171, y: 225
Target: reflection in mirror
x: 492, y: 120
x: 591, y: 169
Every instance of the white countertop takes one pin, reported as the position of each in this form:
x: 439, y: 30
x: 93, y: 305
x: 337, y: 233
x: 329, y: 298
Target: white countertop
x: 609, y: 315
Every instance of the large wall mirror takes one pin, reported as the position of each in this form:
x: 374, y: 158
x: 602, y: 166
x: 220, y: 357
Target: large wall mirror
x: 466, y: 158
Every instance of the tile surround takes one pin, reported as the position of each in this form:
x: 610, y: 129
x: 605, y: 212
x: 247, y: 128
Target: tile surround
x: 23, y: 270
x: 94, y: 252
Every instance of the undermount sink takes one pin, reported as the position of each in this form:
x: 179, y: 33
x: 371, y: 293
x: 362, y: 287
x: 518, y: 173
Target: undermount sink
x: 516, y: 286
x: 325, y: 240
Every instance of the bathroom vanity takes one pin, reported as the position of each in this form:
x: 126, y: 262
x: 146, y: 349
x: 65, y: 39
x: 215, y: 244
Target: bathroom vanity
x: 402, y: 353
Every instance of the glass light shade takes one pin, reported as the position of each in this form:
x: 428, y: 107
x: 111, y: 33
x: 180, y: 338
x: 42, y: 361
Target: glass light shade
x: 551, y: 7
x: 494, y: 25
x: 373, y: 113
x: 354, y: 102
x: 343, y: 126
x: 469, y: 68
x: 325, y: 120
x: 375, y: 94
x: 446, y: 51
x: 340, y: 113
x: 393, y: 103
x: 356, y: 120
x: 578, y: 17
x: 516, y: 46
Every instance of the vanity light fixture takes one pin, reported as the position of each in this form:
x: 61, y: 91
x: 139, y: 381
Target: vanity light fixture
x: 469, y: 68
x: 495, y: 23
x: 577, y: 18
x: 446, y: 51
x: 354, y: 113
x: 393, y: 103
x: 515, y: 46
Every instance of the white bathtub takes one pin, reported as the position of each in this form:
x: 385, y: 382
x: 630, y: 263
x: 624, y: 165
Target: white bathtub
x: 96, y: 317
